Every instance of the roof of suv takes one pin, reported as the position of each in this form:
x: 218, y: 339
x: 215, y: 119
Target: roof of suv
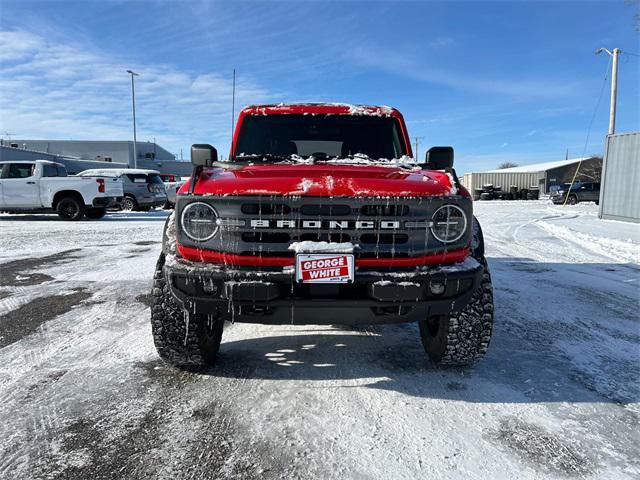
x: 48, y: 162
x: 119, y: 171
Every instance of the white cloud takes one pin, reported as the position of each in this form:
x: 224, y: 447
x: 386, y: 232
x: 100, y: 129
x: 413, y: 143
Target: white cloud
x: 441, y: 42
x: 393, y: 61
x: 53, y: 89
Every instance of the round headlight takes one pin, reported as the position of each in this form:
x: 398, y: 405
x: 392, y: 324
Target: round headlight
x: 449, y: 223
x: 199, y: 221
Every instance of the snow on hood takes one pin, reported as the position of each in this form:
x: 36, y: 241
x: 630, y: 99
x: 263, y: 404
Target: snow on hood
x: 322, y: 247
x: 341, y: 177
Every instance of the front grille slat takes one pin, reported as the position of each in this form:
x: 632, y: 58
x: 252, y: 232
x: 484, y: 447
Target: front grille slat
x: 325, y: 210
x: 266, y: 237
x: 337, y: 237
x: 386, y: 210
x: 384, y: 238
x: 265, y: 209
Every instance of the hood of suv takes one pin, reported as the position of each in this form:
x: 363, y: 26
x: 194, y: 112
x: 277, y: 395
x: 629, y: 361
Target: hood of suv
x: 322, y: 181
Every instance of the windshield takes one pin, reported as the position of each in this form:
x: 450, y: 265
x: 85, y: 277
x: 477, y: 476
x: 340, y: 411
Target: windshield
x: 320, y: 136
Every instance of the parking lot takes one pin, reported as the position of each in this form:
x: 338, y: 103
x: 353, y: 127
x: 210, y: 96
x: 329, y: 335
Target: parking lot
x: 84, y: 395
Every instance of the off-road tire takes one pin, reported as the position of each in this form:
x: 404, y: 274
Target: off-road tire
x: 463, y: 337
x: 70, y: 208
x: 129, y: 204
x: 181, y: 339
x: 95, y: 213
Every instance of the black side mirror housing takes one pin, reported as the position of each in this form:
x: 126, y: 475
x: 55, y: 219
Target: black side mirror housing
x: 439, y: 158
x: 203, y: 155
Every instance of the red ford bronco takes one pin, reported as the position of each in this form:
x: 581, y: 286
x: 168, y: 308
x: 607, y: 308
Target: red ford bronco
x: 321, y: 216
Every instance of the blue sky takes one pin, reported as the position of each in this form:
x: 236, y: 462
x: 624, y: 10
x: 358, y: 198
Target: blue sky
x: 499, y: 81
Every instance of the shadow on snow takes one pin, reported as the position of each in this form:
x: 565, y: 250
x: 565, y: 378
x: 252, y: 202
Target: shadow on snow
x: 554, y: 340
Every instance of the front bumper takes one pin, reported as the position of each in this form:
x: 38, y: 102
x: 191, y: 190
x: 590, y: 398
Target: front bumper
x: 273, y: 297
x: 558, y: 199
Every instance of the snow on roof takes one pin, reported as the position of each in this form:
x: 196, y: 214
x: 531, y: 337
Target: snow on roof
x: 320, y: 108
x: 537, y: 167
x: 120, y: 171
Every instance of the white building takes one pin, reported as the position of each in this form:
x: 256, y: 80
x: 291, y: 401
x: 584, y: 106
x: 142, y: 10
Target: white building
x: 536, y: 176
x: 150, y: 155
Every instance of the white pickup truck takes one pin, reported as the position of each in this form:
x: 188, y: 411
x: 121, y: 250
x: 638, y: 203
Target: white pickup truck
x: 44, y: 186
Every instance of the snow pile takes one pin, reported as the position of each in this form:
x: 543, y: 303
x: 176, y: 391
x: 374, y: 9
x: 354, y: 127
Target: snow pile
x: 362, y: 159
x: 322, y: 247
x: 622, y: 250
x: 307, y: 184
x: 452, y: 181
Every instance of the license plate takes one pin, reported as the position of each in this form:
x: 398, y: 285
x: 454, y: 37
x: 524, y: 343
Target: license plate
x: 324, y: 268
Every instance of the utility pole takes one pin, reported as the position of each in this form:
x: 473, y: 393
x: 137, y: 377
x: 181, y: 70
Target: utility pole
x: 614, y: 86
x: 133, y: 102
x: 417, y: 142
x: 614, y: 92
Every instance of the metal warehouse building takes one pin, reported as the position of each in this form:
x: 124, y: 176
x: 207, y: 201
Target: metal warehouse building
x: 113, y: 153
x: 538, y: 175
x: 620, y: 190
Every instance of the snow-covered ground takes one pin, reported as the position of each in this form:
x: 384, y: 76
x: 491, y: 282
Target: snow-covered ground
x: 83, y: 394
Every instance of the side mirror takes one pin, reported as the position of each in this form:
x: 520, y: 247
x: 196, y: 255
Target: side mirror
x: 439, y: 158
x: 203, y: 155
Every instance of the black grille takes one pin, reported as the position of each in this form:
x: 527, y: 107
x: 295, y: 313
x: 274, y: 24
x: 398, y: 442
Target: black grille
x: 265, y: 209
x: 266, y: 237
x: 384, y: 238
x: 325, y: 210
x: 325, y: 237
x: 384, y: 210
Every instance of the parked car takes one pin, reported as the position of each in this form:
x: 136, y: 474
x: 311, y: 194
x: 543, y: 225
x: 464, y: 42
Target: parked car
x: 143, y: 189
x: 580, y: 192
x: 44, y: 186
x: 172, y: 184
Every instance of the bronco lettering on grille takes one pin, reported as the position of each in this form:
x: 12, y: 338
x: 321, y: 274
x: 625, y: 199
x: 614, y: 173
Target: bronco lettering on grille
x: 327, y: 224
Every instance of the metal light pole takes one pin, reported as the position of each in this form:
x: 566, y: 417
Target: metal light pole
x: 614, y: 86
x: 133, y: 102
x: 417, y: 142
